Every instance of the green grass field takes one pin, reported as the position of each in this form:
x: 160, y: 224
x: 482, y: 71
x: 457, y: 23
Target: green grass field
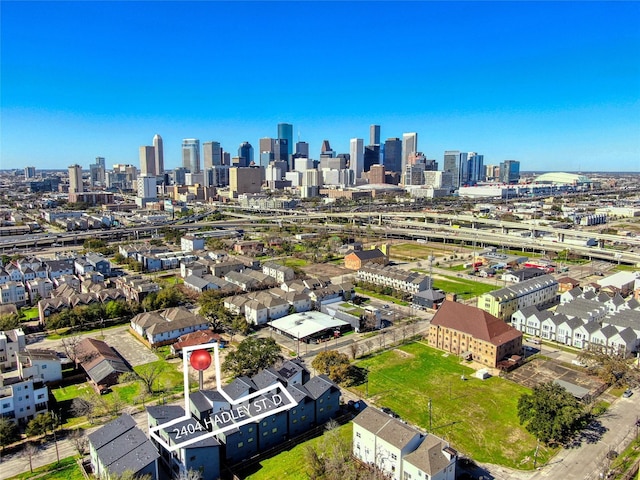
x: 29, y: 313
x: 464, y: 288
x: 291, y: 464
x: 72, y: 391
x: 420, y: 251
x: 478, y: 417
x: 380, y: 296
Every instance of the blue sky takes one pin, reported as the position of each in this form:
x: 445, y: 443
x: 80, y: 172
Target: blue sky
x: 554, y: 85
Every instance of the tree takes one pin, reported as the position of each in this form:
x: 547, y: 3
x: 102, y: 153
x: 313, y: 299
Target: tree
x: 189, y: 475
x: 149, y: 373
x: 8, y: 432
x: 40, y: 424
x: 9, y: 322
x: 337, y: 366
x: 354, y: 348
x: 87, y: 405
x: 251, y: 356
x: 29, y: 451
x: 79, y: 440
x: 70, y: 346
x: 613, y: 369
x: 550, y: 413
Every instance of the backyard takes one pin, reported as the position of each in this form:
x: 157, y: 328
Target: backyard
x: 463, y: 288
x: 478, y: 417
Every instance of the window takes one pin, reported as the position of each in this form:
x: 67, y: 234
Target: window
x: 250, y: 440
x: 394, y: 456
x: 240, y: 444
x: 358, y: 434
x: 274, y: 430
x: 264, y: 434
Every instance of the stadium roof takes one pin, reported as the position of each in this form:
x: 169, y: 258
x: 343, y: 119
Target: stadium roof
x: 562, y: 178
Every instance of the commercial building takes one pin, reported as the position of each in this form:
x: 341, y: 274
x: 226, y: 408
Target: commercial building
x: 510, y: 171
x: 393, y: 155
x: 245, y: 180
x: 158, y: 150
x: 409, y: 148
x: 75, y: 179
x: 191, y: 154
x: 474, y: 334
x: 148, y: 161
x: 356, y: 154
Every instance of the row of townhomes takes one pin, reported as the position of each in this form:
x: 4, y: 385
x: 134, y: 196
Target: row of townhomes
x: 23, y: 390
x: 585, y: 318
x: 395, y: 278
x: 399, y: 450
x: 214, y: 434
x: 539, y: 291
x: 29, y: 279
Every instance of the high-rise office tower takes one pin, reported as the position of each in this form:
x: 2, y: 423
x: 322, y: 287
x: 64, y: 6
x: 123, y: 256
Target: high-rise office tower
x: 191, y: 154
x: 281, y: 152
x: 212, y: 154
x: 409, y: 147
x: 476, y: 168
x: 456, y: 163
x: 75, y: 179
x: 302, y: 149
x: 285, y: 132
x: 393, y: 155
x: 371, y: 156
x: 377, y: 174
x: 325, y: 150
x: 147, y: 161
x: 159, y: 154
x: 356, y: 156
x: 374, y: 135
x: 245, y: 150
x: 97, y: 174
x: 101, y: 162
x: 510, y: 171
x: 29, y: 172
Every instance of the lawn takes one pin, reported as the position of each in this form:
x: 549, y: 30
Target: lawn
x: 72, y: 391
x: 462, y: 287
x: 380, y: 296
x: 417, y: 250
x: 478, y: 417
x: 68, y: 469
x: 291, y: 464
x: 29, y: 313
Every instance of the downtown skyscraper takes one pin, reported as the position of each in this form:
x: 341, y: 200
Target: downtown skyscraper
x: 191, y: 154
x: 285, y: 132
x: 409, y: 147
x: 356, y: 155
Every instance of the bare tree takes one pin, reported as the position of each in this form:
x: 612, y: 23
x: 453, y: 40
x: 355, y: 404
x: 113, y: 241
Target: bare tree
x: 354, y: 348
x: 79, y: 440
x: 70, y: 346
x: 369, y: 345
x: 29, y: 451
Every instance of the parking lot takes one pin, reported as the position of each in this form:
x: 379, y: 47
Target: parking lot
x: 129, y: 348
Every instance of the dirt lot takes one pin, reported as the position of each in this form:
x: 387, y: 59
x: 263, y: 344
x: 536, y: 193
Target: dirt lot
x: 326, y: 270
x: 132, y: 350
x: 540, y: 371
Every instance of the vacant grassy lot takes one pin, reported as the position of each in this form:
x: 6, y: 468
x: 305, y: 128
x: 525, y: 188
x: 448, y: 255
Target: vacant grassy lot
x: 72, y: 391
x: 463, y: 287
x: 291, y: 464
x: 380, y: 296
x: 478, y: 417
x: 419, y: 250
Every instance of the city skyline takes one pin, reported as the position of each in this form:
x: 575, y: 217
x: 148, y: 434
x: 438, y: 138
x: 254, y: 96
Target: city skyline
x: 555, y: 86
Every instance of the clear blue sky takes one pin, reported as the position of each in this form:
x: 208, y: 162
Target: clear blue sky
x: 554, y: 85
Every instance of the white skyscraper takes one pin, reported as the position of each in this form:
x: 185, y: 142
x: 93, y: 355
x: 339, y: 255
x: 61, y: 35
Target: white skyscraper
x: 356, y: 152
x: 409, y: 147
x: 159, y: 154
x: 147, y: 191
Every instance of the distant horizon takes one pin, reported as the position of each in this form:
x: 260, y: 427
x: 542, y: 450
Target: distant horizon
x: 544, y: 83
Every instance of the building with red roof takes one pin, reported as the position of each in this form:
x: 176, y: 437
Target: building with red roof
x: 473, y: 333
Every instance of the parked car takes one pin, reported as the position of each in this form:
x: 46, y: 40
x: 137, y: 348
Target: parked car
x: 627, y: 393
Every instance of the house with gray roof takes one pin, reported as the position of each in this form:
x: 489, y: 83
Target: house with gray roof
x: 121, y: 446
x: 163, y: 327
x: 397, y: 448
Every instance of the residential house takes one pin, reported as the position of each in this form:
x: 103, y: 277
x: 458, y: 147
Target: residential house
x: 279, y: 272
x: 101, y: 363
x: 120, y: 446
x: 523, y: 275
x: 13, y: 292
x: 44, y: 365
x: 504, y: 302
x: 22, y: 399
x: 190, y: 243
x: 395, y: 278
x: 11, y: 342
x: 163, y: 327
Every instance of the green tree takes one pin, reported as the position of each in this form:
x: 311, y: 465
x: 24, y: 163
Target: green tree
x: 324, y: 361
x: 8, y: 432
x: 9, y: 322
x: 149, y: 373
x: 251, y: 356
x: 41, y: 424
x: 550, y: 413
